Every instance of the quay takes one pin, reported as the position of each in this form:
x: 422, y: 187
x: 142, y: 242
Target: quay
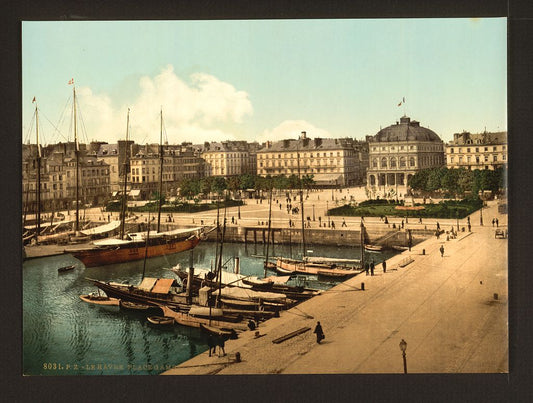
x: 452, y: 311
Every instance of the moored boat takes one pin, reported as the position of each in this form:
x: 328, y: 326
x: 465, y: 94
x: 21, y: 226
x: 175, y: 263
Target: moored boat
x: 160, y: 320
x: 292, y: 266
x: 134, y: 306
x: 218, y: 331
x: 96, y: 299
x: 185, y: 319
x: 373, y: 248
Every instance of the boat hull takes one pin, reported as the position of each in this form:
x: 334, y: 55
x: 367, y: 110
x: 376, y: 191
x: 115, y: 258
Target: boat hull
x: 298, y: 267
x: 101, y: 257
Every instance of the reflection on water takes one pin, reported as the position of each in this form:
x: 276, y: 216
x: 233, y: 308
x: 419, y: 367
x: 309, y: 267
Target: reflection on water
x: 63, y: 335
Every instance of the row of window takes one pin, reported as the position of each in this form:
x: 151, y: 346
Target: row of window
x: 477, y: 159
x: 468, y: 149
x: 304, y: 155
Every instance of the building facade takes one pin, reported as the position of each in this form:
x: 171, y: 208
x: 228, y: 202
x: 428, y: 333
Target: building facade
x: 477, y: 151
x: 227, y: 158
x: 398, y: 151
x: 332, y: 162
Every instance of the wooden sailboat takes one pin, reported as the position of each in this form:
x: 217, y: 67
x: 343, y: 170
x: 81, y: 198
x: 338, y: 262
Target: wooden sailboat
x: 129, y: 247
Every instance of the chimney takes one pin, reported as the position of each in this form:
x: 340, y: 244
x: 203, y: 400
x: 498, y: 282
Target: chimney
x: 303, y: 135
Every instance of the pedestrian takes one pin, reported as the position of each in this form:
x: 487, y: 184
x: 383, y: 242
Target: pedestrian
x: 437, y: 234
x: 441, y: 251
x: 332, y: 224
x: 372, y: 267
x: 212, y: 344
x: 319, y: 332
x: 493, y: 221
x: 420, y: 220
x: 232, y: 220
x: 438, y: 226
x: 469, y: 227
x: 344, y: 223
x: 108, y: 218
x: 319, y: 221
x: 497, y: 223
x: 402, y: 223
x: 367, y: 266
x: 386, y: 220
x: 384, y: 264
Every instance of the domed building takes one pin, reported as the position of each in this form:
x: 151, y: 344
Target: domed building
x: 398, y: 151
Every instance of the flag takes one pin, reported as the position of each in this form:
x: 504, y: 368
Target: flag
x: 400, y: 104
x: 71, y: 81
x: 402, y: 101
x: 33, y: 100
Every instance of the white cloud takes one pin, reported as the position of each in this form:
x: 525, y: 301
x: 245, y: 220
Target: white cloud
x: 291, y: 129
x: 193, y: 111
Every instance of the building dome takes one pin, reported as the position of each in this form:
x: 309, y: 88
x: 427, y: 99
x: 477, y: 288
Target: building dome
x: 405, y: 130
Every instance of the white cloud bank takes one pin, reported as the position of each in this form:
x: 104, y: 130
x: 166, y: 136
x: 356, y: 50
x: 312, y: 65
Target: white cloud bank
x: 193, y: 111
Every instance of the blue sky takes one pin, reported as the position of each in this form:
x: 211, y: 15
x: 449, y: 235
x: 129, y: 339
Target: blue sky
x: 264, y: 79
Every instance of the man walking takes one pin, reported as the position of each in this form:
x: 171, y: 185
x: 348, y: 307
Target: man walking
x: 319, y: 333
x: 372, y: 267
x: 441, y: 251
x: 384, y: 265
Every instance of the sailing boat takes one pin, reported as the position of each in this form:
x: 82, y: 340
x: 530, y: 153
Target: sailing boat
x: 304, y: 266
x: 36, y: 231
x: 130, y: 247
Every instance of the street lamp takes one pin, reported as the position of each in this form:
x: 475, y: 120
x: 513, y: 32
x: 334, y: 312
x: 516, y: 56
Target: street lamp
x: 313, y: 212
x: 457, y: 219
x: 403, y: 347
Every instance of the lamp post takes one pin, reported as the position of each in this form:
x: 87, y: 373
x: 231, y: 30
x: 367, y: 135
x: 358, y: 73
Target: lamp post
x: 239, y: 211
x: 481, y: 213
x: 457, y: 219
x: 327, y: 213
x: 313, y: 212
x: 403, y: 347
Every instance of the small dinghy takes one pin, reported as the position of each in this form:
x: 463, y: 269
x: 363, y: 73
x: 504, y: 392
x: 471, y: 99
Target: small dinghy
x: 96, y: 299
x: 160, y: 320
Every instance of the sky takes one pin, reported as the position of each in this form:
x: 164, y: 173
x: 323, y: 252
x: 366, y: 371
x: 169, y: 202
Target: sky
x: 259, y: 80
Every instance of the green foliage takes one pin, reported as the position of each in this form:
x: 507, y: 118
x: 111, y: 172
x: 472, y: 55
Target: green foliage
x: 457, y: 181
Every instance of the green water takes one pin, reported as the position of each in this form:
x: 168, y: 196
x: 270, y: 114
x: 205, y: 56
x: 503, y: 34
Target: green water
x: 63, y: 335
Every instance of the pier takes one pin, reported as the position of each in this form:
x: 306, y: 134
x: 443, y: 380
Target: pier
x: 450, y: 310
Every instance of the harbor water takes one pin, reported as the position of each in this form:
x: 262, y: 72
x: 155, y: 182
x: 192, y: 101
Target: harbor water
x: 63, y: 335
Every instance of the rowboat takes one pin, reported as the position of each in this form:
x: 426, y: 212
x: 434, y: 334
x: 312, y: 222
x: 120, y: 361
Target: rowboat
x: 400, y: 248
x: 373, y: 248
x: 160, y: 320
x: 66, y: 268
x: 96, y: 299
x: 134, y: 306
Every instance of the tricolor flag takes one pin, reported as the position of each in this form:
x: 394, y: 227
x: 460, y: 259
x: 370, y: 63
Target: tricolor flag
x: 71, y: 81
x: 33, y: 100
x: 402, y: 102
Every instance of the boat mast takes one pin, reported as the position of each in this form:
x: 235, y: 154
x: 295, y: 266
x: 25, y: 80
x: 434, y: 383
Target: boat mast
x: 220, y: 256
x: 362, y: 244
x: 301, y: 198
x: 160, y: 173
x: 125, y: 173
x: 77, y: 153
x: 38, y: 191
x: 269, y: 228
x: 146, y: 246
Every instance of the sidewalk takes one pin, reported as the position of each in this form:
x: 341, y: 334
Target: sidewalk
x: 443, y: 307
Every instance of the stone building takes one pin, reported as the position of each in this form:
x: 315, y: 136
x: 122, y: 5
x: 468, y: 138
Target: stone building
x: 179, y: 162
x: 228, y: 158
x: 477, y: 151
x: 332, y: 162
x: 398, y: 151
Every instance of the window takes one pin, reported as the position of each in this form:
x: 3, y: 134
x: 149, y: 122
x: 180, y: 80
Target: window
x: 393, y: 162
x: 384, y: 162
x: 451, y: 150
x: 402, y: 162
x: 468, y: 150
x: 412, y: 162
x: 451, y: 159
x: 494, y: 158
x: 477, y: 149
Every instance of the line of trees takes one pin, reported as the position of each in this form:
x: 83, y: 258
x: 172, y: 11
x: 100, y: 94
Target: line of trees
x: 458, y: 182
x: 194, y: 187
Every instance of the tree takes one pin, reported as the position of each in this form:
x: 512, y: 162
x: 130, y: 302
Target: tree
x: 419, y: 180
x: 247, y: 181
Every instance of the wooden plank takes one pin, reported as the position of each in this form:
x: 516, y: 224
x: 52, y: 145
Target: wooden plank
x: 291, y: 335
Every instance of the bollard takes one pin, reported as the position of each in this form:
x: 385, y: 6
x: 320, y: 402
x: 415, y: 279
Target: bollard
x: 237, y: 357
x: 362, y: 286
x: 423, y: 251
